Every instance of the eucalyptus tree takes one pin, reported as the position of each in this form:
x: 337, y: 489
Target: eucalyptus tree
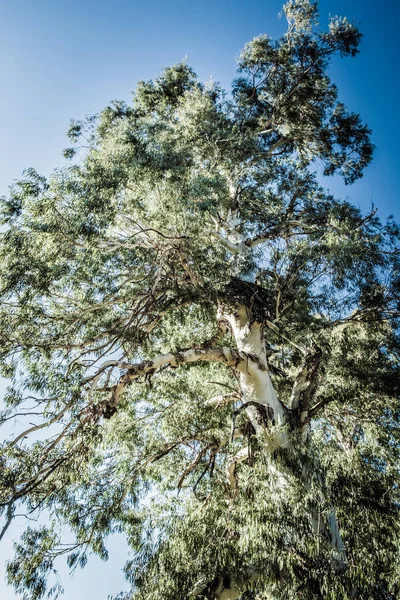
x: 204, y: 341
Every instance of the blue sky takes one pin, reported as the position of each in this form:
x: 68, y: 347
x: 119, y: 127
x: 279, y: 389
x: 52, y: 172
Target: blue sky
x: 65, y: 59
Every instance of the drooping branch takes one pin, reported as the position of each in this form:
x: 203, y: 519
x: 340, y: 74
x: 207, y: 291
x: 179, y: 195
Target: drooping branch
x: 48, y: 423
x: 192, y: 466
x: 9, y: 517
x: 93, y: 412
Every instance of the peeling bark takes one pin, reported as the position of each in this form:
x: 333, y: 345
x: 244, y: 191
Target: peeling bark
x: 255, y: 381
x: 228, y: 356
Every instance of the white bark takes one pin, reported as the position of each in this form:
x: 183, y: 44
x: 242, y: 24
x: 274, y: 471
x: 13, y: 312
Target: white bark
x: 336, y: 540
x: 255, y: 380
x: 226, y: 356
x: 241, y: 456
x: 222, y: 400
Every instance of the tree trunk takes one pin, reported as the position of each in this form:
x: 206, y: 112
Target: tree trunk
x: 255, y: 381
x: 257, y: 389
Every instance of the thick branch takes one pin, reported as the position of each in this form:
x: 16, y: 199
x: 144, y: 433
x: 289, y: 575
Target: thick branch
x: 319, y: 406
x: 228, y: 356
x: 223, y: 400
x: 304, y: 387
x: 241, y: 456
x: 233, y: 248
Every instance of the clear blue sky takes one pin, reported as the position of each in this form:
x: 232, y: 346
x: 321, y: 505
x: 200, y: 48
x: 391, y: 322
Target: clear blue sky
x: 63, y: 59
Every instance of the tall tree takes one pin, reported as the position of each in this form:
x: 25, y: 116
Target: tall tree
x: 204, y: 342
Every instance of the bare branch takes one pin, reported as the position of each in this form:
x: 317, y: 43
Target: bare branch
x: 43, y: 425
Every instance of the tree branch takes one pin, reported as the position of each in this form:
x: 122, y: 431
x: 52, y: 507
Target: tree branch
x: 228, y: 356
x: 304, y: 387
x: 319, y: 406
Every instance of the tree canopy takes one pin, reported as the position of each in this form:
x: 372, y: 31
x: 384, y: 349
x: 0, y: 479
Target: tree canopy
x: 203, y: 342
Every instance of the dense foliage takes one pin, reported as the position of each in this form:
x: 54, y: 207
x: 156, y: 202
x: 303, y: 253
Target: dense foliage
x: 204, y: 342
